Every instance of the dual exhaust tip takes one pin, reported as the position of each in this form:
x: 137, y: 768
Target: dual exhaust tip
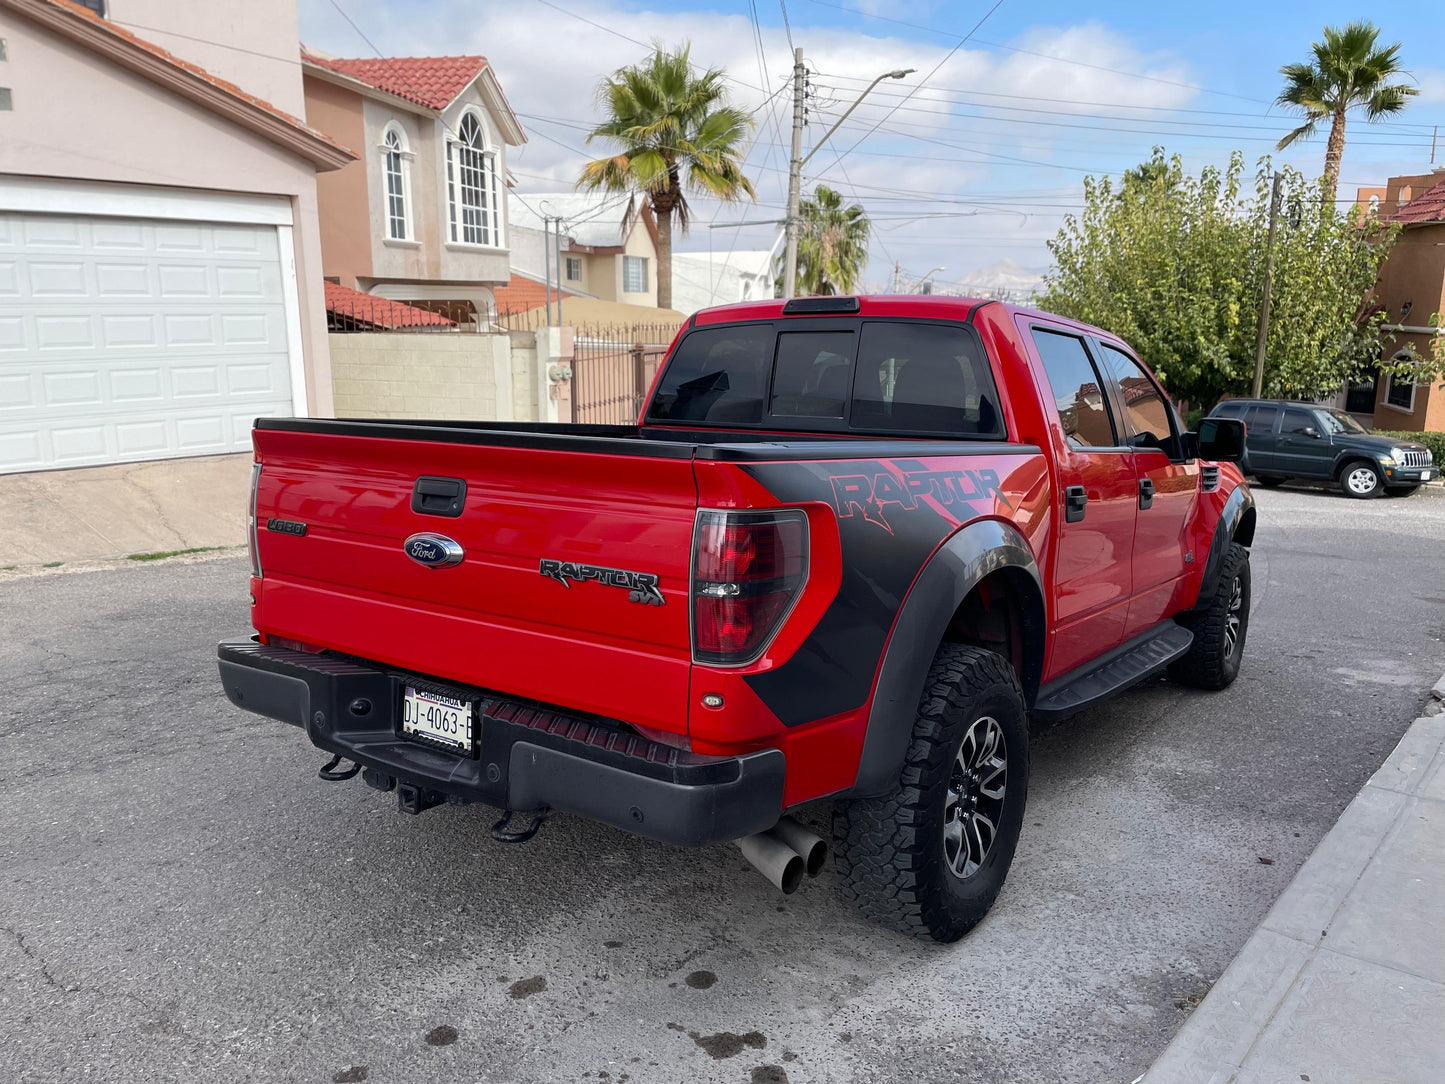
x: 785, y: 853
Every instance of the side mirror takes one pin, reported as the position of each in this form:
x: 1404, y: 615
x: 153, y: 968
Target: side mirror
x: 1221, y: 440
x: 1310, y: 431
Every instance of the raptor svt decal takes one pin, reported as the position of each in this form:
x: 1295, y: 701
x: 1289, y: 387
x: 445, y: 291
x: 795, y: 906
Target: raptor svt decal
x: 641, y: 586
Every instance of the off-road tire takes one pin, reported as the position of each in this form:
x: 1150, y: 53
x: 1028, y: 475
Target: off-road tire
x: 1354, y: 469
x: 889, y: 851
x: 1212, y: 661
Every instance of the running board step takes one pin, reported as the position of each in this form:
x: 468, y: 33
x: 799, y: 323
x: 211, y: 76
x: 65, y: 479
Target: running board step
x: 1124, y: 666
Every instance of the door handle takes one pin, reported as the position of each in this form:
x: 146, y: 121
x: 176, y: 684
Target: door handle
x: 1075, y: 498
x: 1146, y: 493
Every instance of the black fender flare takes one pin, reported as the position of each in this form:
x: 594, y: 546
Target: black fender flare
x: 1231, y: 516
x: 956, y: 568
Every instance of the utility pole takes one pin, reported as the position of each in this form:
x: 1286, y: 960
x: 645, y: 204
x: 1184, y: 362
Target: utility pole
x: 897, y: 270
x: 547, y: 264
x: 557, y: 239
x: 1268, y: 276
x: 1434, y: 138
x: 795, y: 178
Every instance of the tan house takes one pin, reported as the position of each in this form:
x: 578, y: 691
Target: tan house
x: 608, y: 245
x: 422, y: 217
x: 1411, y: 290
x: 160, y: 261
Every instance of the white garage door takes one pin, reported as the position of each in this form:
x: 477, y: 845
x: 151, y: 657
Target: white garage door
x: 126, y: 339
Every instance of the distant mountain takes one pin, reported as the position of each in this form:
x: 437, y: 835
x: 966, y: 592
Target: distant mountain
x: 1004, y: 276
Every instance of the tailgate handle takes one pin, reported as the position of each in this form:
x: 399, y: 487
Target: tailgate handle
x: 439, y: 496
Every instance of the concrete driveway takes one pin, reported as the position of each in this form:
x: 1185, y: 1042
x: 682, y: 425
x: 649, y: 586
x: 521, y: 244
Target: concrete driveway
x: 183, y: 900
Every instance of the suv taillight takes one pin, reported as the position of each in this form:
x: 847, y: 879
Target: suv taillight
x: 748, y: 569
x: 252, y: 525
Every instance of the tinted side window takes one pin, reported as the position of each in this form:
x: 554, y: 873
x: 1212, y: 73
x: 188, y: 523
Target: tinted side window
x: 924, y: 378
x: 717, y: 375
x: 1259, y: 419
x: 812, y: 373
x: 1297, y: 421
x: 1078, y: 391
x: 1228, y: 410
x: 1144, y: 404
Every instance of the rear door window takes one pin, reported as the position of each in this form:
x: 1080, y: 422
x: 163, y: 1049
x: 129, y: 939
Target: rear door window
x: 924, y: 378
x: 1078, y: 390
x: 1259, y: 419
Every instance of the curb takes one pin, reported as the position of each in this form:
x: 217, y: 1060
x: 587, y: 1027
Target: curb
x: 1220, y: 1036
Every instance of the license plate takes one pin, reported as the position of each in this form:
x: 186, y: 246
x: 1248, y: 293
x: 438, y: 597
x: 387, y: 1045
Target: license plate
x: 1427, y: 474
x: 439, y: 718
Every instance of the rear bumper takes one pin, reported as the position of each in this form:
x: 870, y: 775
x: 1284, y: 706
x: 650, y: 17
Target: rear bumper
x: 527, y: 756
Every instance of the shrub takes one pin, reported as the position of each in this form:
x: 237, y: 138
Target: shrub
x: 1434, y: 441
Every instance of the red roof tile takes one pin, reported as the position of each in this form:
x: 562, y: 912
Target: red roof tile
x: 231, y: 89
x: 522, y: 294
x: 430, y: 81
x: 379, y: 312
x: 1429, y: 206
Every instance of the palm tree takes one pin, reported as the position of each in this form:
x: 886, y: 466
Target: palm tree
x: 1348, y: 70
x: 676, y: 133
x: 832, y: 245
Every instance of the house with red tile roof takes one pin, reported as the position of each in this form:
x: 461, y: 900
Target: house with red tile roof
x: 160, y: 256
x: 1411, y: 290
x: 421, y: 216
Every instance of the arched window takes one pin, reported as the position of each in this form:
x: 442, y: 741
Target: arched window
x: 394, y: 164
x: 472, y: 198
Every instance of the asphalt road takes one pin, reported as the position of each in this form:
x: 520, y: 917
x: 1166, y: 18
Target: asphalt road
x: 182, y: 899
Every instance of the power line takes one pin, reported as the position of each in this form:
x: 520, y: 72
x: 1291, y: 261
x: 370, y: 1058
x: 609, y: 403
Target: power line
x: 946, y: 58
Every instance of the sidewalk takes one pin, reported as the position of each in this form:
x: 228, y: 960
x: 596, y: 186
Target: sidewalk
x: 115, y: 511
x: 1344, y: 981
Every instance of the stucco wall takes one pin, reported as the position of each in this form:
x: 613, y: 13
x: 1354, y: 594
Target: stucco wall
x: 1414, y: 272
x: 139, y: 133
x: 441, y: 375
x: 342, y: 194
x: 639, y: 243
x: 253, y: 45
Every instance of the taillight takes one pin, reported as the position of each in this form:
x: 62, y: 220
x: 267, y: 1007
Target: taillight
x: 748, y: 570
x: 252, y: 525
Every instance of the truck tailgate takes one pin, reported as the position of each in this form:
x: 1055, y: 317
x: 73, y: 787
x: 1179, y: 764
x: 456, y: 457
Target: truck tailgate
x: 495, y: 619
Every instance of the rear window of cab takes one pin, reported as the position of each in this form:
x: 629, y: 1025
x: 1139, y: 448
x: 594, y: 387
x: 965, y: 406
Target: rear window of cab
x: 868, y: 376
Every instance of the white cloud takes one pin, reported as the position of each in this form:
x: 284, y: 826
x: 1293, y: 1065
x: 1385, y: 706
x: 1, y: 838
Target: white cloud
x: 1432, y: 85
x: 550, y: 64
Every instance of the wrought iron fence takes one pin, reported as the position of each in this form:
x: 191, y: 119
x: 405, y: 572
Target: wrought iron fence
x: 612, y: 369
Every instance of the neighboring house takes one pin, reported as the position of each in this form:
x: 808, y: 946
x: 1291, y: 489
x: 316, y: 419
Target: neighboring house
x: 422, y: 217
x: 352, y: 310
x: 608, y: 244
x: 703, y: 279
x: 160, y: 262
x: 1410, y: 290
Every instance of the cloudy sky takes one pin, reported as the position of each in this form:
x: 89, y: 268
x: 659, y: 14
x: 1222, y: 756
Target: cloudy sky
x: 973, y: 159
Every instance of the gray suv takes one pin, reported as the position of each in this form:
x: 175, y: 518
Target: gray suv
x: 1285, y: 440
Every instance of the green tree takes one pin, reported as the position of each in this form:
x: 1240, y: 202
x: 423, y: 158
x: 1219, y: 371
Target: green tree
x: 1348, y: 70
x: 676, y: 133
x: 832, y: 245
x: 1175, y: 268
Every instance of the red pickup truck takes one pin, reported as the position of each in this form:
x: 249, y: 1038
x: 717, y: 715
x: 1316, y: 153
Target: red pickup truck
x: 851, y: 547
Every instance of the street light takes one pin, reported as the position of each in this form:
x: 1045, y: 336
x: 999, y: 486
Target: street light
x: 928, y: 276
x: 798, y: 161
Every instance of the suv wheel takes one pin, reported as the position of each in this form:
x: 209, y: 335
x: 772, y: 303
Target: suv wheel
x: 1212, y: 661
x: 1361, y: 478
x: 1400, y: 491
x: 1269, y: 482
x: 929, y: 857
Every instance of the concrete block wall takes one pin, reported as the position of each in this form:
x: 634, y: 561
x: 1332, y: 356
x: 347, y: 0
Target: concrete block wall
x: 423, y: 375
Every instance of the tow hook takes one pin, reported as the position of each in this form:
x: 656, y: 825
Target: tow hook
x: 329, y: 773
x: 504, y: 832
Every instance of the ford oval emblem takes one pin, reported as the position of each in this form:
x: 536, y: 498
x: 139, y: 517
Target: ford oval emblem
x: 433, y: 550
